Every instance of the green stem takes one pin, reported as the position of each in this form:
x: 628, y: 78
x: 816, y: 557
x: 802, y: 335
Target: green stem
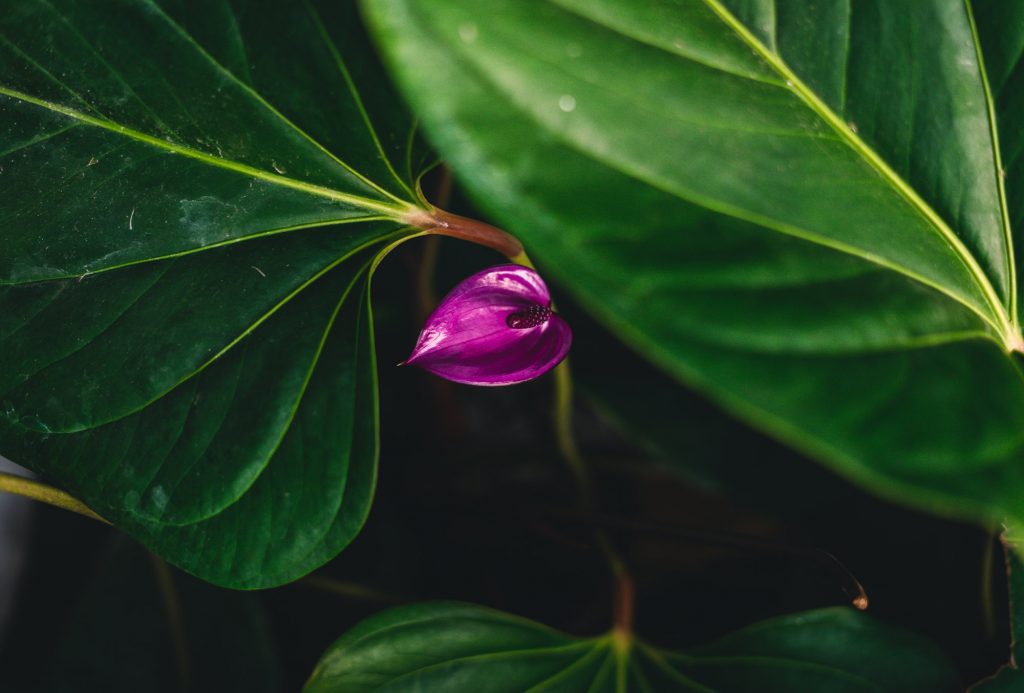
x: 349, y: 589
x: 175, y: 619
x: 623, y: 607
x: 38, y: 491
x: 566, y: 437
x: 988, y: 608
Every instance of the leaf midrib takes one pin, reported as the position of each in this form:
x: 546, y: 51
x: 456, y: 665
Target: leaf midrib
x: 259, y: 98
x: 398, y: 235
x: 587, y: 645
x: 293, y: 408
x: 80, y: 276
x: 1006, y: 322
x: 391, y: 210
x: 339, y: 62
x: 560, y: 676
x: 990, y: 110
x: 1004, y: 333
x: 666, y: 668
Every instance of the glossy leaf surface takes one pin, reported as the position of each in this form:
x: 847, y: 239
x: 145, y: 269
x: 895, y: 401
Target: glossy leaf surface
x: 191, y: 198
x: 797, y: 208
x: 495, y: 327
x: 462, y: 647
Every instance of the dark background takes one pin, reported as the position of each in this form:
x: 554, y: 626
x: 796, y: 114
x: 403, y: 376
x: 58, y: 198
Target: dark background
x: 719, y: 525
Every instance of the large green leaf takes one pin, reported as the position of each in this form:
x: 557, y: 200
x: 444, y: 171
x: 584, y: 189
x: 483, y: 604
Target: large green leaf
x: 462, y: 647
x: 193, y: 194
x: 797, y: 208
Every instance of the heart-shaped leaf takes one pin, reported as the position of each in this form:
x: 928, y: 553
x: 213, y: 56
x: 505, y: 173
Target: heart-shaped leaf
x: 803, y: 209
x: 462, y: 647
x: 192, y: 196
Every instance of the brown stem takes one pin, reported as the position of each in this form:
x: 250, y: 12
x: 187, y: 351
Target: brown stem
x: 624, y: 596
x: 349, y: 589
x: 175, y: 619
x: 447, y: 224
x: 850, y: 584
x: 988, y: 610
x: 1009, y: 545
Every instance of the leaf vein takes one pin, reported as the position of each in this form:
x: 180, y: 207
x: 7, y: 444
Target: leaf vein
x: 263, y: 102
x: 725, y: 208
x: 546, y: 683
x: 1006, y: 323
x: 233, y: 342
x: 244, y: 169
x: 639, y: 38
x: 114, y: 72
x: 990, y: 108
x: 354, y: 91
x: 37, y: 140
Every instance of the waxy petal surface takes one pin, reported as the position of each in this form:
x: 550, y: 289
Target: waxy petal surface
x: 468, y: 339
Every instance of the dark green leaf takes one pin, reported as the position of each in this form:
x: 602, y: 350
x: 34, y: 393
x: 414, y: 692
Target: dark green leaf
x: 796, y: 208
x: 461, y: 647
x: 192, y: 195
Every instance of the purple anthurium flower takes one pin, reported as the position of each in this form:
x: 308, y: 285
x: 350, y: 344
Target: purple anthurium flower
x: 494, y: 328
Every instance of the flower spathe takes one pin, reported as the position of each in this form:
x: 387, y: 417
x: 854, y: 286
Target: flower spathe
x: 494, y: 328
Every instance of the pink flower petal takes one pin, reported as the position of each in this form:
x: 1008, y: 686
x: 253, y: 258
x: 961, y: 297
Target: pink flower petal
x: 468, y: 338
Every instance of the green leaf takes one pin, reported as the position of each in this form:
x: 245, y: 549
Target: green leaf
x: 192, y: 198
x: 461, y: 647
x: 795, y: 208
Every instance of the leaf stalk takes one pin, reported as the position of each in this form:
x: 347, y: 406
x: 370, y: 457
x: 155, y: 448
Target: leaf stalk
x: 442, y: 223
x: 38, y: 491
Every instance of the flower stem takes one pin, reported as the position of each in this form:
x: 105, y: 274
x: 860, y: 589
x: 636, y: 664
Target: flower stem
x: 175, y: 619
x: 988, y: 610
x: 623, y: 606
x: 350, y: 590
x: 437, y: 221
x: 38, y: 491
x: 566, y: 437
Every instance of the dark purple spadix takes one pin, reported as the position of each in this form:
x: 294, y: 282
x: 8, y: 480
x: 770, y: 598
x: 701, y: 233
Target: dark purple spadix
x: 494, y: 328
